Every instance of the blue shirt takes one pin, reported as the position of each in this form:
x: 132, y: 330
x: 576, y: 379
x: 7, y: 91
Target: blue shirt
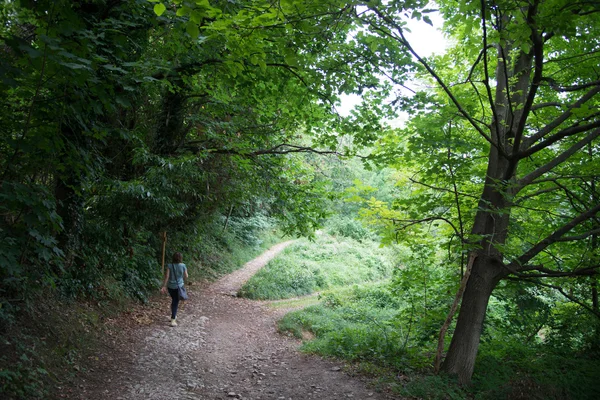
x: 176, y: 270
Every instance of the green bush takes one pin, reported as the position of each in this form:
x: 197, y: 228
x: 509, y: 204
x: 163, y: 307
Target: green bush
x: 510, y: 368
x: 393, y: 326
x: 213, y: 253
x: 249, y: 229
x: 281, y: 280
x: 432, y: 387
x: 348, y: 227
x: 53, y: 338
x: 23, y: 381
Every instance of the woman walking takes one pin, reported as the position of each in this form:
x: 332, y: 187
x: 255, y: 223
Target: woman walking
x: 174, y: 279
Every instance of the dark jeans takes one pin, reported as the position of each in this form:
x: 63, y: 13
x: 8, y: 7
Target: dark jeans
x: 174, y: 302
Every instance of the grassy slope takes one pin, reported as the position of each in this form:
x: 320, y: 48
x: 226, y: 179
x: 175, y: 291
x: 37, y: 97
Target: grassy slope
x: 307, y: 267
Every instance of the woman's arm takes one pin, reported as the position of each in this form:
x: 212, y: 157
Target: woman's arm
x: 163, y: 289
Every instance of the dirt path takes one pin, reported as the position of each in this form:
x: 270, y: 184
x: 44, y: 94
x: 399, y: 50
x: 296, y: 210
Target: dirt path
x: 224, y: 348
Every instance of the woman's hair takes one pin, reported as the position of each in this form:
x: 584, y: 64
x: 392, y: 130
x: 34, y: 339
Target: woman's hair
x: 177, y: 258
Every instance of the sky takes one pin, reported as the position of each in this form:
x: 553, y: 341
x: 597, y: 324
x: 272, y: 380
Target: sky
x: 425, y: 39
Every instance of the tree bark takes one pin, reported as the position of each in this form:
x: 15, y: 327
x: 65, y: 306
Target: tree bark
x: 459, y: 294
x: 460, y: 360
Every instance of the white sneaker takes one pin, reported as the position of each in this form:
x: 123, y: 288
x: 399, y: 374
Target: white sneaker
x: 173, y: 322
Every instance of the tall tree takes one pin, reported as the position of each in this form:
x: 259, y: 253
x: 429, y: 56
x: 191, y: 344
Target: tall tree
x: 512, y: 113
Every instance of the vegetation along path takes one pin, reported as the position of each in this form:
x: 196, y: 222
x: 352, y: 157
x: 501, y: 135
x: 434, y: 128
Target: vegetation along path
x: 224, y: 347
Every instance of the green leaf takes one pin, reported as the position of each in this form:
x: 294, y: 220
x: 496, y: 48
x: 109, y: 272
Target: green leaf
x: 159, y: 9
x: 196, y: 17
x: 183, y: 11
x: 192, y: 29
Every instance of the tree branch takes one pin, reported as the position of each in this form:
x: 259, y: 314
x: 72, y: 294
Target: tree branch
x: 442, y: 189
x: 520, y: 262
x: 406, y: 223
x: 555, y: 179
x: 549, y: 273
x: 402, y: 40
x: 290, y: 69
x: 579, y: 237
x: 526, y: 180
x: 455, y: 191
x: 548, y: 104
x: 486, y: 83
x: 534, y: 194
x: 538, y: 56
x: 570, y: 131
x: 572, y: 88
x: 280, y: 149
x: 561, y: 291
x: 293, y: 149
x: 561, y: 118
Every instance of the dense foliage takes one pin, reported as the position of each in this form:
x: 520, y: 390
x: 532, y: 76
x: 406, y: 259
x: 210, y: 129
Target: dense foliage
x: 124, y: 119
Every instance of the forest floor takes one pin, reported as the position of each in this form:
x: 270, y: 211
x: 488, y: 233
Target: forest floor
x: 224, y: 347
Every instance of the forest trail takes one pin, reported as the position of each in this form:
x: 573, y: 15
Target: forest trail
x: 225, y: 347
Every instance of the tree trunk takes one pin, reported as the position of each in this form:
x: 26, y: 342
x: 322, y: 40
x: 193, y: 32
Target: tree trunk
x: 491, y: 223
x: 460, y: 360
x: 493, y: 215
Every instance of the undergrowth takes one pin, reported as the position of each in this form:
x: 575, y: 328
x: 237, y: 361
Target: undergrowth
x: 50, y: 342
x: 362, y: 324
x: 306, y: 267
x: 368, y: 326
x: 389, y: 329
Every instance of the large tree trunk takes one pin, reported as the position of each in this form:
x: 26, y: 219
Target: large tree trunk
x: 491, y: 224
x: 460, y: 360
